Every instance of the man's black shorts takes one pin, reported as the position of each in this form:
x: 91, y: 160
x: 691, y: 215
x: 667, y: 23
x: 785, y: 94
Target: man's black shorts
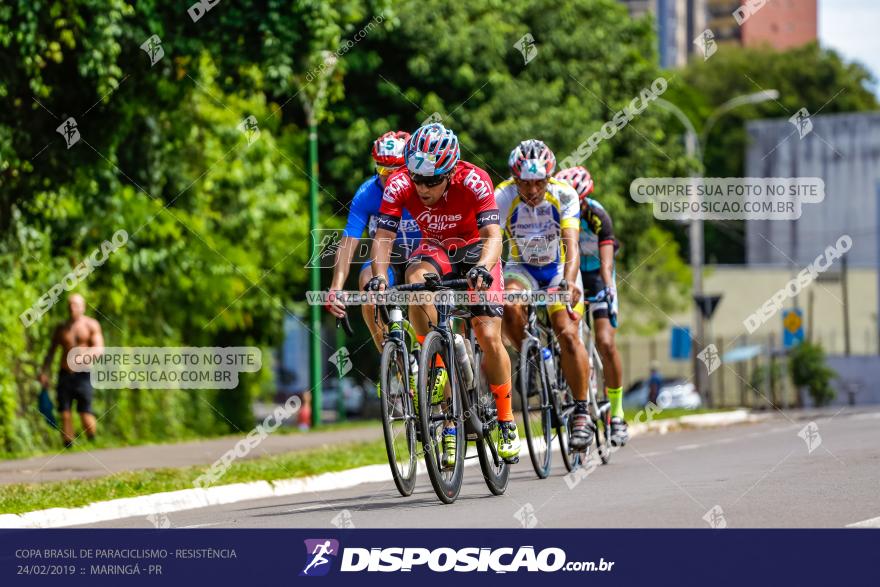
x: 74, y: 387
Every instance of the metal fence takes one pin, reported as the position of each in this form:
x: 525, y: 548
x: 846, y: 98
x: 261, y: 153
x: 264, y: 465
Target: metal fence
x: 746, y: 383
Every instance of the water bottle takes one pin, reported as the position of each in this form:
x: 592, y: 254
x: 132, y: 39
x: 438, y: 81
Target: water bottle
x: 464, y: 362
x: 547, y: 356
x: 414, y: 367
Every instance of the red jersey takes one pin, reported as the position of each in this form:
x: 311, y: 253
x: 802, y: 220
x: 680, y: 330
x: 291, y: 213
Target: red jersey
x: 455, y: 220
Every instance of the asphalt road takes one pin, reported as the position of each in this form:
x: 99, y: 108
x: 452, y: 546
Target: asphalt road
x: 757, y: 475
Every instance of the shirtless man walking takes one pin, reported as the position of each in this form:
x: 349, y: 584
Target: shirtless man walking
x: 78, y: 331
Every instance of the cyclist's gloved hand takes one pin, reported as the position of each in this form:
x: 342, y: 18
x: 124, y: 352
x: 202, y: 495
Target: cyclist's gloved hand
x: 479, y: 277
x: 610, y: 294
x: 334, y: 304
x: 377, y: 283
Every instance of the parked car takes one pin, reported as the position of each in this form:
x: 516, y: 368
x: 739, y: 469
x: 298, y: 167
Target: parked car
x: 674, y: 393
x: 353, y: 395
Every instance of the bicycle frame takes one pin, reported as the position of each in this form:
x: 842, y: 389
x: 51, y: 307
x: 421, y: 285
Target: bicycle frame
x: 596, y: 410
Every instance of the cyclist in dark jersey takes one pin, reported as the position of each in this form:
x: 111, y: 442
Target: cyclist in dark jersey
x: 363, y: 216
x: 453, y: 202
x: 597, y: 247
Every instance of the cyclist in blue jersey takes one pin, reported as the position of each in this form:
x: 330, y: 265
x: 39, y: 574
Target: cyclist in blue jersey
x: 363, y: 216
x: 597, y: 247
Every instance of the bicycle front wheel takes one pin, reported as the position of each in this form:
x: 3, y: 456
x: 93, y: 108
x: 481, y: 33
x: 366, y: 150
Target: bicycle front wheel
x: 534, y: 392
x: 496, y: 472
x: 439, y: 413
x: 398, y: 417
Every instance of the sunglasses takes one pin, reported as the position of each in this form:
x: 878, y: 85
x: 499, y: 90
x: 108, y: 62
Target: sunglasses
x: 385, y: 171
x: 427, y: 180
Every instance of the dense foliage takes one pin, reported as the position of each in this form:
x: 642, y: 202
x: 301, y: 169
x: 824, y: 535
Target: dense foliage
x: 218, y: 225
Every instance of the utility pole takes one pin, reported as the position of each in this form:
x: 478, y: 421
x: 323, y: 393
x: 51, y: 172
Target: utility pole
x: 695, y: 145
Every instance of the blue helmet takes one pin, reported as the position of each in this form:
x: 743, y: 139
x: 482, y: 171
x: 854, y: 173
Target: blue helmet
x: 432, y: 150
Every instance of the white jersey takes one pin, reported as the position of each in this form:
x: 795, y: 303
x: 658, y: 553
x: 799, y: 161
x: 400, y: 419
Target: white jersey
x: 535, y: 232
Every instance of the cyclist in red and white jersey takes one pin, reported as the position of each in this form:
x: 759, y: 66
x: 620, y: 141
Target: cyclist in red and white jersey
x: 453, y: 203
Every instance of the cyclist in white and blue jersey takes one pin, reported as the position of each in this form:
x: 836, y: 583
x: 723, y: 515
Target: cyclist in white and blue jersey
x: 597, y: 247
x: 541, y: 221
x: 363, y: 216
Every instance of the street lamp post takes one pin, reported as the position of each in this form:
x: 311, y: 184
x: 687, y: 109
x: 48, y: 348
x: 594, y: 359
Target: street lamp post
x: 694, y: 146
x: 313, y: 109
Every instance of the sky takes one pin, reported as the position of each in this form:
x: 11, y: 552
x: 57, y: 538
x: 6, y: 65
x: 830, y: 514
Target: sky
x: 852, y: 28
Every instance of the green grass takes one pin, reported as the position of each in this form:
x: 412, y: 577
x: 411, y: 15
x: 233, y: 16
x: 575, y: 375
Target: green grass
x: 630, y: 414
x: 101, y: 442
x: 25, y: 497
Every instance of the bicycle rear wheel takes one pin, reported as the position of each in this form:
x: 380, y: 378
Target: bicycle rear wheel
x: 534, y: 392
x: 496, y: 472
x: 398, y: 417
x: 434, y: 416
x: 563, y: 406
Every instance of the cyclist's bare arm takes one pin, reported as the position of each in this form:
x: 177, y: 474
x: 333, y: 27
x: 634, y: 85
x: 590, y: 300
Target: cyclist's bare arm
x: 572, y: 260
x: 381, y: 251
x: 344, y: 255
x: 492, y: 244
x: 606, y: 262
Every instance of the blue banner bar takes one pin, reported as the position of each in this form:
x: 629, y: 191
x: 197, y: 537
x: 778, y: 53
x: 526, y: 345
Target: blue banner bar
x: 467, y: 557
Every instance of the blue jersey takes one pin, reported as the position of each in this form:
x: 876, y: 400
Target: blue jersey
x: 364, y: 215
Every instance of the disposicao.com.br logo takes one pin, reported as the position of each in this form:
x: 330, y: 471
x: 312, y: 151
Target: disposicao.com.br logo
x: 445, y: 559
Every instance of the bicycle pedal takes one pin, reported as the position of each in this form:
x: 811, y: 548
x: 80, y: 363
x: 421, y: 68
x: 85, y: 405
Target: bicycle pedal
x: 511, y: 460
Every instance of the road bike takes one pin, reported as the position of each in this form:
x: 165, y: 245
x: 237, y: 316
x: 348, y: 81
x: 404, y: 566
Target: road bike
x: 396, y: 369
x: 548, y: 402
x: 600, y: 409
x: 466, y: 404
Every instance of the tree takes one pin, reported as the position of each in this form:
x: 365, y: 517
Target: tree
x: 809, y: 76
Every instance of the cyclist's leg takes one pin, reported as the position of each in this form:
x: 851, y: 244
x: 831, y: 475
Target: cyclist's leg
x: 605, y: 344
x: 516, y: 279
x: 607, y: 348
x: 575, y: 362
x: 487, y: 325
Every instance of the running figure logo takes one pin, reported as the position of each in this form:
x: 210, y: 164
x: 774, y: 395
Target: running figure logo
x: 705, y: 42
x: 69, y: 131
x: 153, y: 48
x: 802, y: 122
x: 317, y: 552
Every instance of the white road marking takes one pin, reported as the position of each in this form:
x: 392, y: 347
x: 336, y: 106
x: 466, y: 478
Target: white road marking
x: 688, y: 446
x: 870, y: 523
x: 202, y: 525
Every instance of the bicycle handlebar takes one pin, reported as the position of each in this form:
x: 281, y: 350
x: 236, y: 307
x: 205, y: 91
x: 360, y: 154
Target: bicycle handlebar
x: 434, y: 283
x: 346, y: 325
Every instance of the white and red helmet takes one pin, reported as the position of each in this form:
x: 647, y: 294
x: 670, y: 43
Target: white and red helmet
x: 532, y: 159
x: 388, y: 149
x: 579, y: 178
x: 432, y: 150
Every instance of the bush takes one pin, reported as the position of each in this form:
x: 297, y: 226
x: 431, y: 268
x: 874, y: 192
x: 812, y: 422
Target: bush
x: 758, y: 379
x: 808, y: 369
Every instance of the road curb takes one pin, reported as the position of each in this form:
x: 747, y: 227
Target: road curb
x: 712, y: 420
x: 186, y: 499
